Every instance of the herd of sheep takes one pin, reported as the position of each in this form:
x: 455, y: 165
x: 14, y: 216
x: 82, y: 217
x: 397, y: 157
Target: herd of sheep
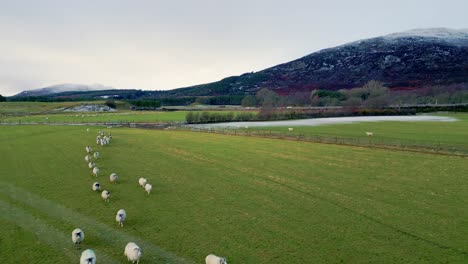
x: 132, y: 250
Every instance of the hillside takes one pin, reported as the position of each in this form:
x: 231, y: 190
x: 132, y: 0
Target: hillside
x: 62, y: 88
x: 402, y: 60
x: 405, y: 60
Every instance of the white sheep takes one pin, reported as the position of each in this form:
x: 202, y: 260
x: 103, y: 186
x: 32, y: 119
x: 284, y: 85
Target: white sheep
x: 120, y: 217
x: 105, y: 195
x: 77, y: 236
x: 132, y: 252
x: 113, y: 177
x: 96, y: 186
x: 148, y: 188
x: 91, y: 165
x: 87, y: 130
x: 89, y: 149
x: 88, y: 257
x: 142, y: 182
x: 212, y: 259
x: 95, y: 171
x: 369, y: 134
x: 98, y: 141
x: 290, y: 129
x: 87, y: 158
x: 96, y: 155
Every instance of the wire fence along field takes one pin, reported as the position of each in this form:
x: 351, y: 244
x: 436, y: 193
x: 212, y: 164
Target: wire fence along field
x: 370, y: 141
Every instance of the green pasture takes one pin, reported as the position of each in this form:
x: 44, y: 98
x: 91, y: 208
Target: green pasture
x: 437, y: 134
x: 252, y: 200
x: 24, y: 108
x: 118, y: 116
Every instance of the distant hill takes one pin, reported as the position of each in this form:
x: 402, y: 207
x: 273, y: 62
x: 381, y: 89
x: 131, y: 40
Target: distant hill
x: 402, y: 60
x: 60, y: 88
x: 405, y: 60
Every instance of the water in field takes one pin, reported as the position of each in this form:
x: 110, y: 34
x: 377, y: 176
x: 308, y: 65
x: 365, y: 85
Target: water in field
x: 332, y: 120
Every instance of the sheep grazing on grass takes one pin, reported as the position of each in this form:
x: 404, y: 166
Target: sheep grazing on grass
x: 96, y: 155
x: 77, y: 237
x: 133, y: 252
x: 142, y: 182
x: 96, y: 186
x: 88, y: 257
x: 105, y: 195
x: 148, y: 188
x: 98, y: 141
x: 212, y: 259
x: 89, y: 149
x: 91, y: 165
x: 290, y: 129
x: 113, y: 177
x: 95, y: 171
x: 369, y: 134
x: 120, y: 217
x: 87, y: 158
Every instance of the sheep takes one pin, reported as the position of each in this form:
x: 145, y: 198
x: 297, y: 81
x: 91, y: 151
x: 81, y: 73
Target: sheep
x: 89, y: 149
x: 105, y: 195
x: 96, y: 186
x: 91, y: 165
x: 87, y: 130
x: 88, y: 257
x: 113, y: 177
x: 212, y: 259
x: 120, y: 217
x: 148, y: 188
x: 369, y: 134
x: 95, y: 171
x: 77, y: 237
x: 87, y: 158
x: 132, y: 252
x: 142, y: 182
x: 98, y: 141
x: 96, y: 155
x: 290, y: 129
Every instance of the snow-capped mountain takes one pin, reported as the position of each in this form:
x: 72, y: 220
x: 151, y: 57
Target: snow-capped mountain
x: 454, y: 36
x: 60, y: 88
x: 409, y: 59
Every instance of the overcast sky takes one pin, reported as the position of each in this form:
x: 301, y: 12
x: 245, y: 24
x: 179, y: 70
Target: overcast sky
x: 159, y: 45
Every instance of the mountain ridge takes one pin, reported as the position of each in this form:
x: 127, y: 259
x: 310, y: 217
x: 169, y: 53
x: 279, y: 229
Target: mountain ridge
x: 403, y: 60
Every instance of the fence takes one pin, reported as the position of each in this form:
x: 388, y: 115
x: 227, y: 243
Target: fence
x: 386, y: 143
x: 377, y: 142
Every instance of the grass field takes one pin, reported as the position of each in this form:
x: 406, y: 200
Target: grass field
x: 253, y: 200
x: 437, y: 134
x: 120, y: 116
x: 22, y: 108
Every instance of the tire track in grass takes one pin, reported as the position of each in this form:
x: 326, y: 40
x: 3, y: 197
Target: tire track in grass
x: 47, y: 234
x: 118, y: 239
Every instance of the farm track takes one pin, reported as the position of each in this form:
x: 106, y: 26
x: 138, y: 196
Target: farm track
x: 52, y: 236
